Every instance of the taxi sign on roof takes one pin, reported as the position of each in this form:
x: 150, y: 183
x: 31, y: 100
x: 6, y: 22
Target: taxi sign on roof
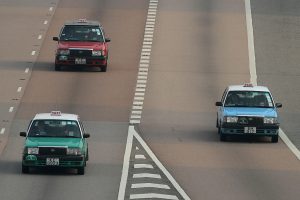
x: 82, y: 20
x: 248, y: 85
x: 55, y: 113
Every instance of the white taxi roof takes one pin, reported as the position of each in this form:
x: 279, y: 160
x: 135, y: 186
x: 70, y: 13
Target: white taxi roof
x: 247, y: 88
x: 56, y: 115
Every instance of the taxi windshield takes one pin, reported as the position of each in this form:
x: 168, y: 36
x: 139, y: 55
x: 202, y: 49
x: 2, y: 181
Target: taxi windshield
x: 249, y: 99
x: 81, y: 33
x: 54, y: 128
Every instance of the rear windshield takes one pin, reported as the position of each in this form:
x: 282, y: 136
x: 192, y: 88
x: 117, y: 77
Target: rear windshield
x: 248, y: 99
x: 81, y: 33
x: 54, y: 128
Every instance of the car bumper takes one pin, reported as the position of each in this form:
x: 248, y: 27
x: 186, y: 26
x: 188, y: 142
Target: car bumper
x: 64, y: 161
x: 271, y: 130
x: 89, y: 61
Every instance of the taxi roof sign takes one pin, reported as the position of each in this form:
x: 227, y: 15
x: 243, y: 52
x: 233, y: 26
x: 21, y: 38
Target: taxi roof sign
x: 248, y: 85
x: 82, y: 20
x: 55, y: 113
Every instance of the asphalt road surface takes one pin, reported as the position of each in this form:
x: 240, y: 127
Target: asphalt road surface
x: 199, y: 47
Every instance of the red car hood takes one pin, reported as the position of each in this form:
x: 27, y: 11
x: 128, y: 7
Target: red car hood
x: 81, y: 45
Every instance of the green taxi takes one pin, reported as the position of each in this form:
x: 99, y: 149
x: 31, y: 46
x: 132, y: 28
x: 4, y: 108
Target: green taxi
x: 55, y: 140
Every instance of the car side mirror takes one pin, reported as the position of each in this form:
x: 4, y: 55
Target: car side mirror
x: 218, y: 103
x: 86, y: 135
x: 55, y: 38
x: 23, y: 134
x: 107, y: 39
x: 278, y: 105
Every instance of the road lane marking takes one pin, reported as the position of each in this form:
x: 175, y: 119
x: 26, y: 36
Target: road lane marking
x: 33, y: 53
x: 152, y: 196
x: 51, y: 9
x: 139, y: 156
x: 143, y: 166
x: 146, y: 175
x: 11, y: 109
x: 253, y: 75
x: 45, y: 22
x: 2, y: 131
x: 137, y: 148
x: 26, y: 70
x: 150, y: 185
x: 19, y: 89
x: 137, y: 107
x: 39, y: 37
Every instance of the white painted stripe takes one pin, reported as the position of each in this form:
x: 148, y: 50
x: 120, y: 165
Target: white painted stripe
x: 148, y: 36
x: 2, y: 131
x: 146, y: 50
x: 143, y: 73
x: 144, y: 61
x: 51, y: 9
x: 150, y: 23
x: 139, y: 94
x: 147, y: 43
x: 135, y: 121
x: 140, y: 166
x: 135, y: 117
x: 136, y: 112
x: 150, y: 185
x: 125, y: 169
x: 26, y: 70
x: 159, y: 164
x: 141, y: 85
x: 152, y: 196
x: 142, y: 81
x: 253, y: 75
x: 137, y: 107
x: 149, y: 29
x: 151, y: 17
x: 152, y: 9
x: 152, y: 12
x: 145, y: 57
x: 149, y: 33
x: 139, y: 98
x: 11, y: 109
x: 45, y: 22
x: 136, y: 148
x: 147, y: 46
x: 145, y: 65
x: 138, y: 103
x: 33, y: 53
x: 142, y: 77
x: 143, y: 69
x: 140, y: 89
x: 139, y: 156
x: 40, y: 37
x: 19, y: 89
x: 146, y: 175
x: 148, y: 39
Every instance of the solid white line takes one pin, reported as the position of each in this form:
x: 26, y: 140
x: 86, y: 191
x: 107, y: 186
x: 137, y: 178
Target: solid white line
x: 33, y: 53
x: 159, y: 164
x: 26, y: 70
x: 2, y: 130
x: 139, y: 156
x: 125, y: 169
x: 146, y: 175
x: 140, y: 166
x: 153, y: 195
x: 39, y: 37
x: 150, y: 185
x: 45, y: 22
x: 253, y: 75
x: 19, y: 89
x: 11, y: 109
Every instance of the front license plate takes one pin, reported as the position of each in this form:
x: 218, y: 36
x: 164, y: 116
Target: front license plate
x: 52, y: 161
x: 250, y: 130
x: 80, y: 61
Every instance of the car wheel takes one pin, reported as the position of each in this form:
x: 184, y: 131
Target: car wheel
x: 222, y: 137
x: 87, y: 155
x: 103, y: 68
x: 81, y: 170
x: 57, y: 67
x: 25, y: 169
x: 274, y: 139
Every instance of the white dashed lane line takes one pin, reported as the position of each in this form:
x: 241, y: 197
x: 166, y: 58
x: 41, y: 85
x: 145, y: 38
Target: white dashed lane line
x: 45, y: 22
x: 2, y: 131
x: 33, y: 53
x: 19, y: 89
x: 11, y: 109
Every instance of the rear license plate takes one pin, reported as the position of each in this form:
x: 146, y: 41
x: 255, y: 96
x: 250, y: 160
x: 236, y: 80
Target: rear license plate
x: 52, y: 161
x: 250, y: 130
x: 80, y: 61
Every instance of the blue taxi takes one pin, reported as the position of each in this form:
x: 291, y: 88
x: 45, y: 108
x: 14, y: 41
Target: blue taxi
x: 247, y: 110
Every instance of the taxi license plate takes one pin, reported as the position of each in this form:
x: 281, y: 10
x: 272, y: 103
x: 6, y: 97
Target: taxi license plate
x: 250, y: 130
x: 52, y: 161
x: 80, y: 61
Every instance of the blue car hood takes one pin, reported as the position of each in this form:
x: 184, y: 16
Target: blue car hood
x: 245, y: 111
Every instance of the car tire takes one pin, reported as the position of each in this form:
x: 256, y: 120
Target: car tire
x: 103, y: 68
x: 57, y: 67
x: 274, y: 139
x: 81, y: 170
x: 223, y: 137
x: 25, y: 169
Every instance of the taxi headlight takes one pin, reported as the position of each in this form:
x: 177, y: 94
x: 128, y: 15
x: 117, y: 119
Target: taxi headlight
x: 229, y: 119
x: 64, y: 52
x: 97, y: 53
x: 73, y: 151
x: 33, y: 150
x: 270, y: 120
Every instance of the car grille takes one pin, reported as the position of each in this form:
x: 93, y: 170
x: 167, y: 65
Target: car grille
x: 251, y: 121
x: 52, y: 151
x: 80, y: 52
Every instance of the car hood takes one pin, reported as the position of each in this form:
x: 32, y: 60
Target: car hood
x: 81, y: 45
x: 48, y: 141
x: 244, y: 111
